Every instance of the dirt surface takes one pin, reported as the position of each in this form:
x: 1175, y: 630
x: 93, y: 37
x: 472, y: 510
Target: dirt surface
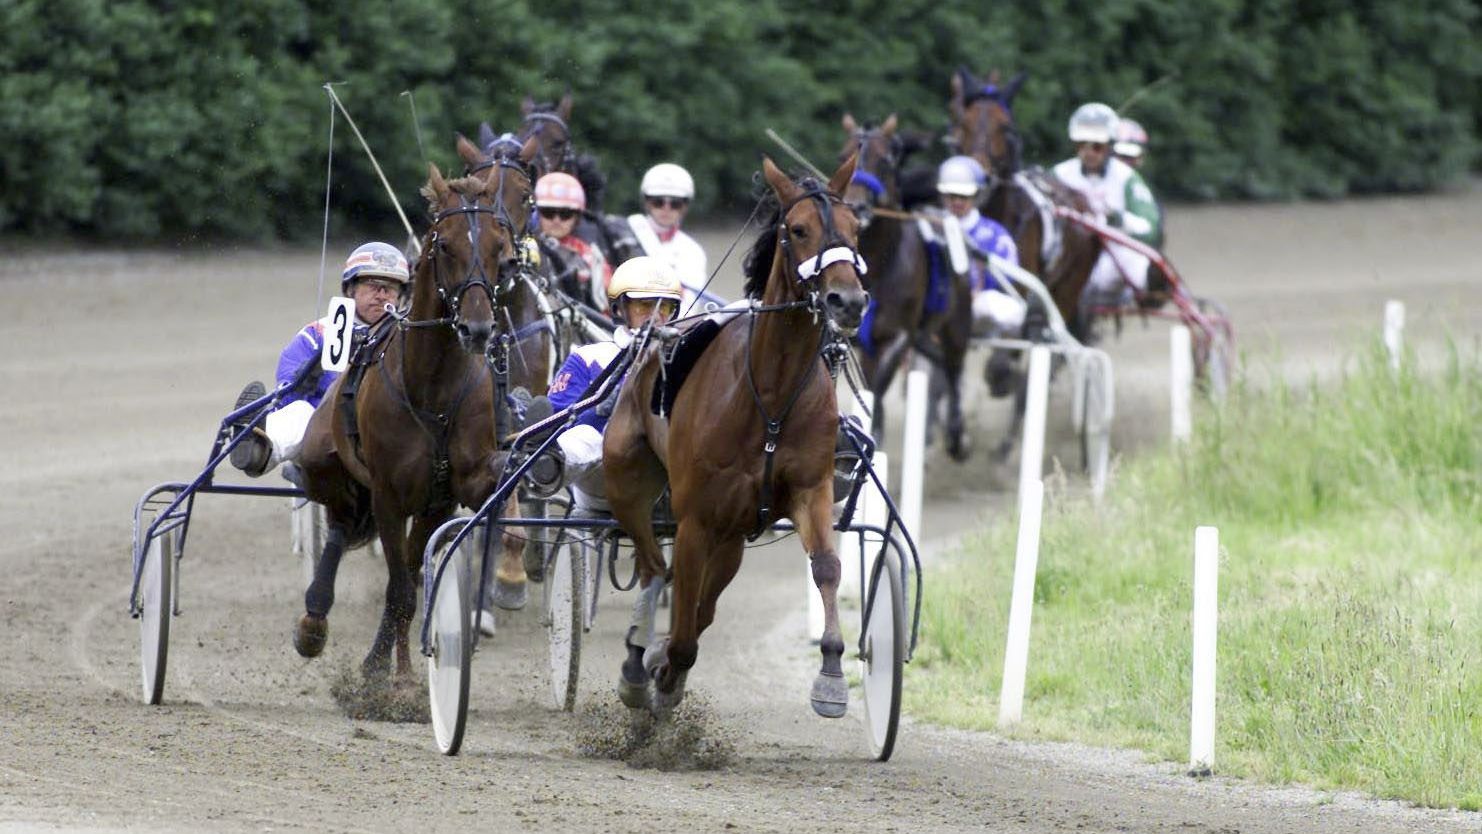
x: 117, y: 368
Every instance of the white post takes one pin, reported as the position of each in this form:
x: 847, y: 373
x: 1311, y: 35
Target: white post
x: 913, y: 450
x: 1181, y: 371
x: 1206, y: 619
x: 1026, y: 562
x: 1394, y: 331
x: 1031, y: 461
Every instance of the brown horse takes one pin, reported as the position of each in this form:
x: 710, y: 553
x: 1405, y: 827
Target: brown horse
x: 983, y: 127
x: 419, y: 438
x: 900, y: 315
x: 750, y: 438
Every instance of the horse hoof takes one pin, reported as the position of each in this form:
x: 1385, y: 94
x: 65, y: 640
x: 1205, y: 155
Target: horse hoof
x: 534, y: 558
x: 656, y: 656
x: 665, y: 702
x: 510, y: 596
x: 830, y: 695
x: 310, y: 636
x: 634, y: 695
x: 959, y: 450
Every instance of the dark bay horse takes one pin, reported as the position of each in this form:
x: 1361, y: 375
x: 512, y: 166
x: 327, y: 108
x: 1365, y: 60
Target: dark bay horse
x: 750, y: 438
x: 419, y: 437
x: 906, y: 310
x: 1060, y: 253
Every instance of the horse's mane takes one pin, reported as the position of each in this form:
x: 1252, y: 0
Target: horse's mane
x: 757, y: 266
x: 469, y: 185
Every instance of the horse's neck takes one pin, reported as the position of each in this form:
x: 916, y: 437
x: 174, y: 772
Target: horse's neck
x: 784, y: 344
x: 431, y: 357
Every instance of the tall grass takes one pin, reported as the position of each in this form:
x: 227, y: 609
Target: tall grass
x: 1350, y: 636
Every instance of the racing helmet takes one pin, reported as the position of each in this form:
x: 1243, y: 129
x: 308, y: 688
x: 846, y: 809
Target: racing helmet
x: 559, y: 190
x: 378, y: 260
x: 1093, y: 122
x: 668, y: 180
x: 644, y: 277
x: 961, y: 176
x: 1131, y: 139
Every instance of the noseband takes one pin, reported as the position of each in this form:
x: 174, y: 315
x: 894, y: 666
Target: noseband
x: 835, y: 248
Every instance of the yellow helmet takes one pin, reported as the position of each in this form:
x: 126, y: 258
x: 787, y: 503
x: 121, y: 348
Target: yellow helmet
x: 644, y: 277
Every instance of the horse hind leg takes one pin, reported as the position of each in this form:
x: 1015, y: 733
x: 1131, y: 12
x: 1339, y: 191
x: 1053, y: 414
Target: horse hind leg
x: 830, y: 692
x: 703, y: 568
x: 510, y: 590
x: 313, y: 627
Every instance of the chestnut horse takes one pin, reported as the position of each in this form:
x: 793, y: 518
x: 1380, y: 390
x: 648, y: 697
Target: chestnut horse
x: 422, y: 436
x: 899, y: 280
x: 750, y: 438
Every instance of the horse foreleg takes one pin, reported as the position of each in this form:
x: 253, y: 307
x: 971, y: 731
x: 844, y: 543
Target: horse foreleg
x: 313, y: 626
x: 510, y: 592
x: 830, y: 695
x: 955, y: 360
x: 1016, y: 426
x: 703, y: 568
x: 400, y: 594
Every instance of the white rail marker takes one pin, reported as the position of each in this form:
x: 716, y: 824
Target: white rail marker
x: 1181, y: 378
x: 913, y: 450
x: 1026, y: 563
x: 1394, y: 332
x: 1032, y: 459
x: 1206, y: 622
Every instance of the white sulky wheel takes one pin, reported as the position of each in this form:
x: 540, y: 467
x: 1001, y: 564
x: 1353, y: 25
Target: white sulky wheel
x: 565, y: 587
x: 157, y: 600
x: 448, y: 669
x: 884, y: 655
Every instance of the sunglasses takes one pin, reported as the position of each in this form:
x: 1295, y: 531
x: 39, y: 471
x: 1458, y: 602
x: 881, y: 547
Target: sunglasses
x: 557, y: 213
x: 668, y: 202
x: 381, y: 286
x: 1099, y: 147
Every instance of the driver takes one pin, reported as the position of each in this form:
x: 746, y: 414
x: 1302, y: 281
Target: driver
x: 375, y: 275
x: 641, y: 289
x: 995, y: 309
x: 667, y: 192
x: 1115, y: 192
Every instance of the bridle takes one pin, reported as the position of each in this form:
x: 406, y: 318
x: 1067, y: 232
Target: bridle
x: 477, y: 276
x: 1000, y: 166
x: 835, y: 249
x: 889, y: 162
x: 535, y: 125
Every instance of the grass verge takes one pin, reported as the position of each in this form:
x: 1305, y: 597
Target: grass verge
x: 1350, y: 635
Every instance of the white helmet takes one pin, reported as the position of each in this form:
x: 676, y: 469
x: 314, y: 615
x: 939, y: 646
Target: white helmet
x: 1093, y: 122
x: 375, y: 259
x: 1131, y: 139
x: 960, y: 175
x: 644, y: 277
x: 668, y: 180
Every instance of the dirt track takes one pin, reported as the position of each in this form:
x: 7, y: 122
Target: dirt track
x: 116, y: 368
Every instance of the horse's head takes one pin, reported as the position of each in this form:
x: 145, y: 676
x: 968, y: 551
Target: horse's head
x: 817, y: 237
x: 877, y: 152
x: 474, y: 243
x: 548, y: 124
x: 983, y: 121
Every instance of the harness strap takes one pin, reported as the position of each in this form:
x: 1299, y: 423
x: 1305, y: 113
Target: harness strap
x: 773, y: 426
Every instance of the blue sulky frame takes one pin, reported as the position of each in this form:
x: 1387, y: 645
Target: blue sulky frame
x: 171, y: 502
x: 893, y: 535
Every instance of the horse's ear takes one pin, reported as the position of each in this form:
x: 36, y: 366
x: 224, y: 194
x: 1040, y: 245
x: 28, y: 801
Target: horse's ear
x: 889, y: 126
x: 850, y: 125
x: 1013, y: 86
x: 527, y: 105
x: 782, y: 185
x: 469, y: 152
x: 956, y: 103
x: 529, y: 149
x: 842, y: 177
x: 436, y: 189
x: 563, y: 107
x: 486, y: 135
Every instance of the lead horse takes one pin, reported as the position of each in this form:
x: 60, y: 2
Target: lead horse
x: 750, y: 438
x: 421, y: 435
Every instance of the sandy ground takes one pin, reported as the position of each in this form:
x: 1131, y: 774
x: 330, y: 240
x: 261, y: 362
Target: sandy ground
x: 117, y: 367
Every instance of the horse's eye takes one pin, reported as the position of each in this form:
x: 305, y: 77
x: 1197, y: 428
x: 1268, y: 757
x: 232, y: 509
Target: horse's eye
x: 800, y: 231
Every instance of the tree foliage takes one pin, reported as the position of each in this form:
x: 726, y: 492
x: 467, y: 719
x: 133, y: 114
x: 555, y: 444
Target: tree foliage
x: 141, y: 119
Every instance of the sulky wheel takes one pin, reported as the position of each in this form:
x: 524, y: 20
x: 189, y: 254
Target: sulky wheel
x: 884, y: 654
x: 448, y: 668
x: 565, y: 596
x: 156, y: 602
